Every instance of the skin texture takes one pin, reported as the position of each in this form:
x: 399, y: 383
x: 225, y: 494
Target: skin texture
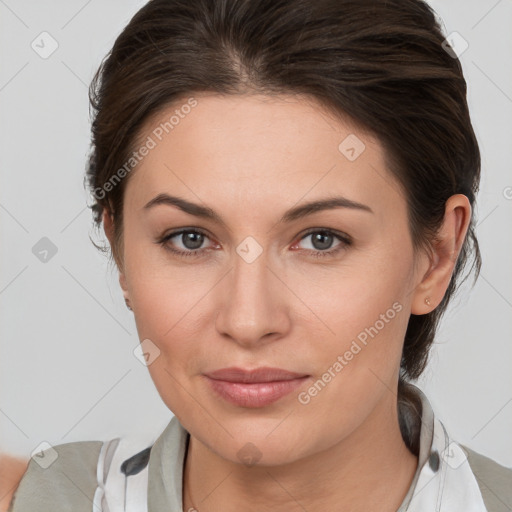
x: 11, y: 471
x: 250, y: 158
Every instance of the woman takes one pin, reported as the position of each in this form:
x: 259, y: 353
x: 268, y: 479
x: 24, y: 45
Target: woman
x: 288, y: 190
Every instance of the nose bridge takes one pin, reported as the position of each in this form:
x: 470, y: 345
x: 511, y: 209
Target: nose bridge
x: 253, y: 301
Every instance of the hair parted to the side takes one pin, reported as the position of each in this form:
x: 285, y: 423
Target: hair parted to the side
x: 379, y: 63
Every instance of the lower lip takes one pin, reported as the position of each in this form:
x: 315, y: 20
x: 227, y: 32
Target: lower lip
x: 258, y: 394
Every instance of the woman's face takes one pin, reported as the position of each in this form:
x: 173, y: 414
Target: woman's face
x: 323, y: 292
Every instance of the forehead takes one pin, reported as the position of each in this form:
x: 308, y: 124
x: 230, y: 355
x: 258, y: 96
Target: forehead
x: 257, y: 151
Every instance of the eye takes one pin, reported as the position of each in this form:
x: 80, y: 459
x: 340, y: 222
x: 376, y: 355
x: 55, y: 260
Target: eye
x: 322, y: 240
x: 191, y: 240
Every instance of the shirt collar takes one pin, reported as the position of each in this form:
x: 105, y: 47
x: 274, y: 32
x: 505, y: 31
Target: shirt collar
x: 443, y: 481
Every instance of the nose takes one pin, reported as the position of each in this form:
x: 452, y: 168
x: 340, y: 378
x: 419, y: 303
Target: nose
x: 254, y: 306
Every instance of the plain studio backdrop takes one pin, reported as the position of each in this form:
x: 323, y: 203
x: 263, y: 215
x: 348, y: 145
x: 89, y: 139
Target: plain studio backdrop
x: 67, y: 367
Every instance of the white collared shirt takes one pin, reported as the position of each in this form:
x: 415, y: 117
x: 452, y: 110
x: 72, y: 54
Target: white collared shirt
x: 444, y: 480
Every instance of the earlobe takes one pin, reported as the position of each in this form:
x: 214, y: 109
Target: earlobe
x: 124, y: 287
x: 446, y: 248
x: 424, y: 300
x: 122, y: 283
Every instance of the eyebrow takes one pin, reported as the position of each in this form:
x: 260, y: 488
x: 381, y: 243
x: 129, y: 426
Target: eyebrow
x: 293, y: 214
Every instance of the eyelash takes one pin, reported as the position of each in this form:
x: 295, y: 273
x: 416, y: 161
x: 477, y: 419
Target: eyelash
x: 345, y: 240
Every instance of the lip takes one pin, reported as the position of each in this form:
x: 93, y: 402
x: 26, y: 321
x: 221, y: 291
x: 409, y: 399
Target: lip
x: 263, y: 374
x: 254, y: 388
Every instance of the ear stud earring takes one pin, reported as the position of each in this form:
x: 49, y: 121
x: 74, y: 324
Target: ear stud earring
x: 427, y: 301
x: 128, y: 304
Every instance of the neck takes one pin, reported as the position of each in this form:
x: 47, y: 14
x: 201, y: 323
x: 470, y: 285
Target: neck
x: 371, y: 469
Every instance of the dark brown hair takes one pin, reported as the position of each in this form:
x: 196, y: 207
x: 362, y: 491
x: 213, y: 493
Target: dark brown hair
x: 381, y: 63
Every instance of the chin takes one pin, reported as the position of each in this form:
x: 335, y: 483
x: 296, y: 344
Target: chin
x: 256, y: 442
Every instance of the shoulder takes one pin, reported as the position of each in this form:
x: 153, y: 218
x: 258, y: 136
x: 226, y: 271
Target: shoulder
x: 12, y: 469
x: 494, y: 480
x: 62, y: 477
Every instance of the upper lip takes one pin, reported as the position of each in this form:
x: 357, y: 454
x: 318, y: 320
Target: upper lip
x: 263, y: 374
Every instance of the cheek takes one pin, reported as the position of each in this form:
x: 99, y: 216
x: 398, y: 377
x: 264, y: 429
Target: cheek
x: 159, y: 292
x: 347, y: 300
x: 169, y: 304
x: 165, y: 312
x: 165, y: 316
x: 363, y: 311
x: 356, y: 363
x: 367, y: 340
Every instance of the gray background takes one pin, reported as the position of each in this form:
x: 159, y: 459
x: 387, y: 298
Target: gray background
x: 67, y: 370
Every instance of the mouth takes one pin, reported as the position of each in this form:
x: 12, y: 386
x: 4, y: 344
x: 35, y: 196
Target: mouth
x: 254, y: 388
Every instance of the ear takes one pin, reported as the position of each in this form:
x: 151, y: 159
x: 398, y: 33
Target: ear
x: 445, y: 252
x: 108, y: 226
